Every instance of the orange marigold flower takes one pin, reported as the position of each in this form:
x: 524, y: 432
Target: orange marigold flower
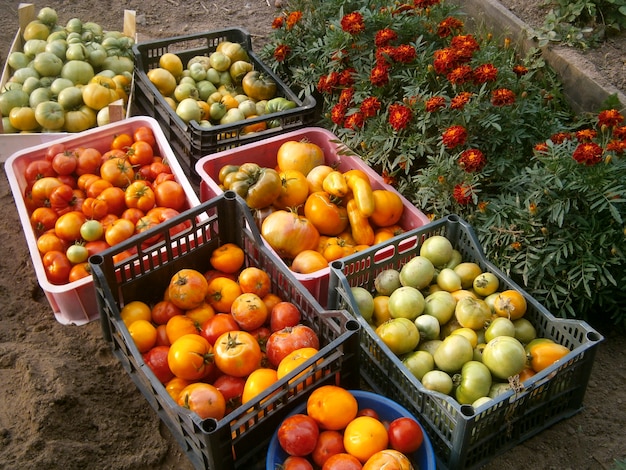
x: 441, y: 179
x: 619, y: 132
x: 520, y: 70
x: 586, y: 135
x: 338, y: 113
x: 384, y: 54
x: 327, y: 83
x: 617, y: 146
x: 445, y: 60
x: 293, y: 18
x: 460, y: 75
x: 462, y: 194
x: 532, y: 208
x: 460, y: 100
x: 388, y: 179
x: 472, y: 160
x: 425, y: 3
x: 346, y: 77
x: 502, y: 97
x: 352, y: 23
x: 354, y: 121
x: 370, y: 106
x: 485, y: 73
x: 517, y: 246
x: 435, y: 103
x: 560, y: 137
x: 278, y: 22
x: 449, y: 25
x: 588, y: 153
x: 482, y: 206
x: 465, y: 45
x: 281, y: 52
x: 609, y: 118
x: 404, y: 53
x: 541, y: 147
x: 453, y: 136
x: 379, y: 75
x: 384, y: 36
x: 346, y: 96
x: 399, y: 116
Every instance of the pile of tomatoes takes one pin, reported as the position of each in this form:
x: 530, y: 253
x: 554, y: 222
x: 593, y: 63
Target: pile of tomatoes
x: 219, y: 338
x: 220, y: 88
x: 311, y: 213
x: 453, y: 325
x: 81, y: 201
x: 335, y: 434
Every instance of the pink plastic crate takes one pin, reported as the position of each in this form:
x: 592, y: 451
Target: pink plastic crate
x: 336, y: 155
x: 75, y: 302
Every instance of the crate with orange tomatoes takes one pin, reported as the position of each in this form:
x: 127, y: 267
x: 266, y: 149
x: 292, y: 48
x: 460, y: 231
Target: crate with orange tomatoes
x: 230, y: 97
x: 87, y: 191
x: 464, y: 348
x: 179, y: 315
x: 300, y: 162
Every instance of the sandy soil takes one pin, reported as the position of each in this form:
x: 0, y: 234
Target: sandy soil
x: 67, y: 402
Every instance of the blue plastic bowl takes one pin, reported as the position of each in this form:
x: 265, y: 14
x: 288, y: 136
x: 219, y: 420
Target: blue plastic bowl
x: 387, y: 410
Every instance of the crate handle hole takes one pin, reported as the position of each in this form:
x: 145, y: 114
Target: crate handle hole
x: 209, y: 424
x: 468, y: 410
x: 594, y: 336
x: 352, y: 325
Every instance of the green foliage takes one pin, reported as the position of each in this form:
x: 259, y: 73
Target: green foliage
x: 582, y: 23
x: 465, y: 125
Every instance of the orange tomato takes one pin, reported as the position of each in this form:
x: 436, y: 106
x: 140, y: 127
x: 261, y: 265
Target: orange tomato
x: 118, y: 231
x: 388, y: 208
x: 389, y: 459
x: 203, y: 399
x: 201, y: 313
x: 188, y: 288
x: 295, y: 189
x: 545, y: 353
x: 191, y: 357
x: 237, y: 353
x: 180, y: 325
x: 333, y: 407
x: 364, y: 436
x: 115, y: 198
x: 228, y: 258
x: 255, y: 281
x: 257, y: 382
x: 342, y: 461
x: 510, y: 304
x: 135, y: 310
x: 144, y: 334
x: 176, y: 385
x: 222, y: 292
x: 308, y: 261
x: 295, y: 359
x: 249, y: 311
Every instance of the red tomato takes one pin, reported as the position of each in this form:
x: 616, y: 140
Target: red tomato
x: 405, y: 435
x: 38, y: 169
x: 237, y: 353
x: 328, y: 444
x: 284, y: 314
x: 294, y: 462
x: 170, y: 194
x: 164, y: 310
x: 249, y: 311
x: 342, y: 461
x: 298, y: 434
x: 282, y: 342
x: 53, y: 150
x: 368, y: 412
x: 218, y: 324
x: 144, y: 133
x: 156, y: 360
x: 88, y: 160
x: 64, y: 163
x: 140, y: 153
x: 57, y: 267
x: 232, y: 389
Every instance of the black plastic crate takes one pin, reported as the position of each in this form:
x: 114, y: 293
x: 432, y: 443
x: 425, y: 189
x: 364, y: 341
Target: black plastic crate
x: 190, y: 141
x: 240, y: 439
x: 464, y: 437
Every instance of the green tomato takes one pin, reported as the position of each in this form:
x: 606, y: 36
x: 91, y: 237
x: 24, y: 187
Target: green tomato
x: 474, y: 382
x: 50, y: 115
x: 400, y: 335
x: 453, y: 352
x: 406, y: 302
x: 91, y: 230
x: 418, y: 363
x: 77, y: 253
x: 504, y: 356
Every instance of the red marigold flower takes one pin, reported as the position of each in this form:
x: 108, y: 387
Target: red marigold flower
x: 453, y: 136
x: 472, y: 160
x: 462, y: 194
x: 445, y: 60
x: 327, y: 83
x: 369, y: 107
x: 485, y: 73
x: 619, y: 132
x: 346, y: 96
x: 460, y: 75
x: 384, y: 54
x: 346, y: 77
x: 278, y: 22
x: 617, y: 146
x: 541, y: 147
x: 435, y: 103
x: 609, y: 118
x: 586, y: 135
x: 293, y: 18
x: 465, y: 45
x: 449, y: 25
x: 338, y: 113
x: 354, y: 121
x: 425, y: 3
x: 384, y: 36
x: 560, y: 137
x: 352, y: 23
x: 460, y: 100
x: 588, y: 153
x: 281, y: 52
x: 520, y: 70
x: 388, y: 179
x: 380, y: 75
x: 404, y: 53
x: 399, y: 116
x: 502, y: 97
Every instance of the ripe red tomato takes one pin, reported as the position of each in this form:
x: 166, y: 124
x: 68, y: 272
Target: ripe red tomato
x: 164, y: 310
x: 328, y: 444
x: 232, y: 389
x: 294, y: 462
x: 368, y: 412
x: 218, y: 324
x: 156, y: 360
x: 405, y: 435
x: 282, y: 342
x: 284, y: 314
x: 342, y: 461
x: 57, y: 267
x: 298, y: 434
